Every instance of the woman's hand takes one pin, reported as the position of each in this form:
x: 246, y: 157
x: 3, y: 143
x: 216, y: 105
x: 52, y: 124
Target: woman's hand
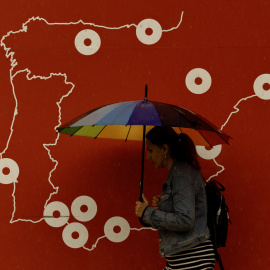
x: 155, y: 202
x: 140, y: 206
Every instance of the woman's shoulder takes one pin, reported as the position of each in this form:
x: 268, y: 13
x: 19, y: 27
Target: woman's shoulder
x: 184, y: 168
x: 184, y: 172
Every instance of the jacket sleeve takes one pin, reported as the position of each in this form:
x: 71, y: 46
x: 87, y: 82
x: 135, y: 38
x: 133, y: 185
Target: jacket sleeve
x: 183, y: 215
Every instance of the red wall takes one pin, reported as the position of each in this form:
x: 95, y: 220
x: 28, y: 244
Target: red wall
x: 46, y: 81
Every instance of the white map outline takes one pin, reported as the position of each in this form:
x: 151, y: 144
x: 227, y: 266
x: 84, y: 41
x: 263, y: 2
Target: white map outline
x: 45, y: 145
x: 10, y: 55
x: 236, y: 110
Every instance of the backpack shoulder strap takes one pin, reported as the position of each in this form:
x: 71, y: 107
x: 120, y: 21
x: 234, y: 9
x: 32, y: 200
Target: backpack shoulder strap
x: 220, y: 186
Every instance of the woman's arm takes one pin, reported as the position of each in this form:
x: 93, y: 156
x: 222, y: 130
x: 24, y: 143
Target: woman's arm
x: 183, y: 198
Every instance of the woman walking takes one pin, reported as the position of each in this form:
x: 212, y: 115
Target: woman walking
x: 180, y: 212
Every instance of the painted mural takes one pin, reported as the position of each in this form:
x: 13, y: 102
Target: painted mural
x: 68, y: 203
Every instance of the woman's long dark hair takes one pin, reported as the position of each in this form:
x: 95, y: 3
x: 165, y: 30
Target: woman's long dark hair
x: 181, y: 147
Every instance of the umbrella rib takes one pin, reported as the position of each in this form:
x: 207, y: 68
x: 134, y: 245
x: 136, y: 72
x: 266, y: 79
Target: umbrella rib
x: 204, y: 137
x: 180, y: 130
x: 128, y: 133
x: 222, y: 138
x: 76, y: 131
x: 99, y: 131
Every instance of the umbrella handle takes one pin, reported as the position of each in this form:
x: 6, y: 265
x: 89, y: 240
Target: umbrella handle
x: 140, y: 219
x: 143, y: 223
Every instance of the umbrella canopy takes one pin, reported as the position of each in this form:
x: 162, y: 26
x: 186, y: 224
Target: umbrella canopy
x: 131, y: 120
x: 126, y: 121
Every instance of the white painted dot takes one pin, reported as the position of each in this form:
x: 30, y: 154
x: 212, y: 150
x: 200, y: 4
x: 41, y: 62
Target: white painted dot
x: 149, y: 31
x: 117, y: 229
x: 261, y: 86
x: 86, y: 202
x: 63, y: 214
x: 9, y: 171
x: 75, y: 235
x: 83, y: 38
x: 198, y: 81
x: 208, y: 154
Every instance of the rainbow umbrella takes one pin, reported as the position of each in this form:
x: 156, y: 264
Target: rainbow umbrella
x: 131, y: 120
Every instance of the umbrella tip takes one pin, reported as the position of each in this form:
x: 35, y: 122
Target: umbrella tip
x: 146, y: 89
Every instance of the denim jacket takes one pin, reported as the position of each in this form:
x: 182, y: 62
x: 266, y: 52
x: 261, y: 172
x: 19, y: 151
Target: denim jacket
x: 182, y: 216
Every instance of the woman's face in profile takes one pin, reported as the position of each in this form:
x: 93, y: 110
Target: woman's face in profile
x: 155, y: 154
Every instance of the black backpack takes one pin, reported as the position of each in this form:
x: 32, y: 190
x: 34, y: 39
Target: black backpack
x: 217, y: 216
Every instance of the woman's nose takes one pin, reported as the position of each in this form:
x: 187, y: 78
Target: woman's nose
x: 148, y: 155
